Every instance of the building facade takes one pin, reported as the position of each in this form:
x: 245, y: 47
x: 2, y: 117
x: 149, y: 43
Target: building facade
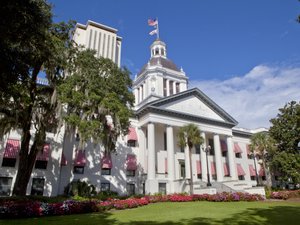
x: 148, y: 159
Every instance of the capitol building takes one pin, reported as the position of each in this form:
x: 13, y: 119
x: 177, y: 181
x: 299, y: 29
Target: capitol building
x: 148, y: 159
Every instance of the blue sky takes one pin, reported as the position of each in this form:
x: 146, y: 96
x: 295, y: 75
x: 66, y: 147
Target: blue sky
x: 245, y: 55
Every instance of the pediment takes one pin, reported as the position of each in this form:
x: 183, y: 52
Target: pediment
x: 192, y: 103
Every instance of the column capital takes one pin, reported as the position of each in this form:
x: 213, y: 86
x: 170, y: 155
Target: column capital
x: 169, y: 125
x: 216, y: 134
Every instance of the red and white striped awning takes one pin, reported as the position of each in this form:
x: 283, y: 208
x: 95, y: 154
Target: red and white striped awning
x: 213, y: 168
x: 252, y: 171
x: 131, y: 162
x: 240, y: 170
x: 106, y: 162
x: 237, y: 148
x: 132, y: 136
x: 223, y: 146
x: 262, y: 172
x: 80, y: 159
x: 44, y: 155
x: 166, y: 165
x: 226, y: 170
x: 198, y: 164
x: 12, y: 149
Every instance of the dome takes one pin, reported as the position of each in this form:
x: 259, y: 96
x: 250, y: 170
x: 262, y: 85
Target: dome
x: 164, y: 62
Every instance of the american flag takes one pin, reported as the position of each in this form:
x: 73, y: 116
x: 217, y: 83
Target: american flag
x: 152, y: 22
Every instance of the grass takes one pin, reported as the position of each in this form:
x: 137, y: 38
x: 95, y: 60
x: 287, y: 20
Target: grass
x: 201, y: 213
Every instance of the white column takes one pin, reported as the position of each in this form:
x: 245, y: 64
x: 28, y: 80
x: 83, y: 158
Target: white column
x: 187, y: 162
x: 168, y: 88
x: 136, y: 96
x: 218, y: 157
x: 171, y: 157
x: 232, y: 167
x: 144, y: 90
x: 174, y: 87
x: 203, y: 159
x: 151, y: 151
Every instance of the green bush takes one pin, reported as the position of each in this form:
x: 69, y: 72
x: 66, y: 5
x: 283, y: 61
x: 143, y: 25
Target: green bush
x: 104, y: 195
x: 80, y: 188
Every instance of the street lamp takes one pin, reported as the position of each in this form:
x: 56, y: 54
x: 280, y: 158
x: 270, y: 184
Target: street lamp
x: 207, y: 150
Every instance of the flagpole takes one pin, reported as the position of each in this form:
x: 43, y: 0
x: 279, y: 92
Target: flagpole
x: 157, y: 33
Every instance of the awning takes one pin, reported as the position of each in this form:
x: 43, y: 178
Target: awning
x: 131, y: 162
x: 63, y: 161
x: 240, y: 170
x: 106, y: 162
x: 252, y: 171
x: 198, y: 163
x: 80, y: 159
x: 213, y: 168
x: 223, y: 146
x: 248, y: 149
x: 262, y: 172
x: 12, y: 149
x: 132, y: 136
x: 226, y: 170
x: 44, y: 155
x: 237, y: 148
x: 166, y: 165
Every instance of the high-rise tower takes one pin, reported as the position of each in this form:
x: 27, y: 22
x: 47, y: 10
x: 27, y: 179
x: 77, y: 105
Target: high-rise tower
x: 103, y: 39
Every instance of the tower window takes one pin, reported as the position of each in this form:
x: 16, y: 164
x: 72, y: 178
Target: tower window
x: 156, y: 51
x: 165, y: 87
x: 162, y: 51
x: 171, y: 87
x: 177, y: 88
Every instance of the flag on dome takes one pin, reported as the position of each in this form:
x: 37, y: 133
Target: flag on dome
x: 152, y: 22
x: 153, y: 32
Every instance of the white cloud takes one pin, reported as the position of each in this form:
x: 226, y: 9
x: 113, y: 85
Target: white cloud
x: 254, y: 98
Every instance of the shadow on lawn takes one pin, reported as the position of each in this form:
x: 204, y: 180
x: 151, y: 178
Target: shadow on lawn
x: 277, y: 215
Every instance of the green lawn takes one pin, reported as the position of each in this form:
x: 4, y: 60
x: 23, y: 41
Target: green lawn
x: 202, y: 213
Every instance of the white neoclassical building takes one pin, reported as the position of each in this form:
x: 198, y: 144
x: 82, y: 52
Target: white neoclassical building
x: 148, y: 159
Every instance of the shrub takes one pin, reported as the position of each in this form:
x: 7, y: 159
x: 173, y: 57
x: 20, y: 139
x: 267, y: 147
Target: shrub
x: 80, y: 188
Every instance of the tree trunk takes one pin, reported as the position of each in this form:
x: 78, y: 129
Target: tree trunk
x: 24, y: 171
x: 268, y: 175
x: 191, y: 173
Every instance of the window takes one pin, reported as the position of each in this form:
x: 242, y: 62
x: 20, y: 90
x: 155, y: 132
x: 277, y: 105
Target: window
x: 182, y: 170
x: 9, y: 162
x: 156, y: 51
x: 130, y: 189
x: 131, y: 143
x: 171, y: 87
x: 177, y: 87
x: 238, y: 155
x: 105, y: 186
x: 214, y: 176
x: 130, y: 173
x: 263, y: 177
x: 250, y: 156
x: 37, y: 187
x: 105, y: 171
x: 197, y: 149
x: 211, y: 144
x: 165, y: 87
x: 162, y: 51
x: 78, y: 169
x: 5, y: 186
x: 162, y: 188
x: 224, y: 154
x: 241, y: 177
x: 181, y: 149
x: 165, y: 141
x: 252, y: 177
x: 199, y: 176
x: 41, y: 164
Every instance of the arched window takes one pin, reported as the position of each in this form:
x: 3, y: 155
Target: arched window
x: 162, y: 51
x: 156, y: 51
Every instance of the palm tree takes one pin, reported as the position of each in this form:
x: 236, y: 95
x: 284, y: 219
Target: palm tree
x: 262, y: 144
x: 189, y: 135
